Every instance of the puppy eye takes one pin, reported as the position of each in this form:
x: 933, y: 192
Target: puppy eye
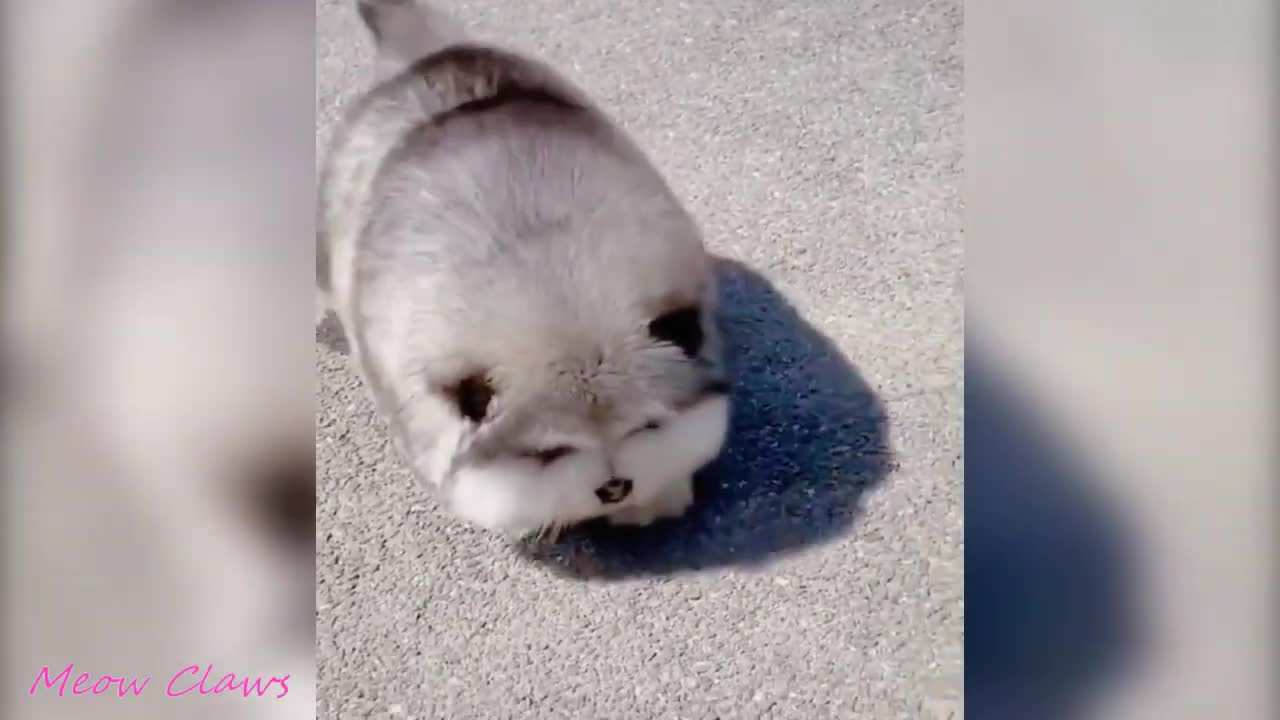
x: 647, y: 427
x: 550, y: 455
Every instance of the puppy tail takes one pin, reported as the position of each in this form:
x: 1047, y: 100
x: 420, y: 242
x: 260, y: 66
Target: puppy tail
x: 407, y: 30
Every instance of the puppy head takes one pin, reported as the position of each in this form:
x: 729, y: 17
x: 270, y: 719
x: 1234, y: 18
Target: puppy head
x: 532, y: 399
x: 576, y: 433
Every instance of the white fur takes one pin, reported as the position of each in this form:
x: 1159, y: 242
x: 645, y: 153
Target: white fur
x: 519, y: 496
x: 662, y: 462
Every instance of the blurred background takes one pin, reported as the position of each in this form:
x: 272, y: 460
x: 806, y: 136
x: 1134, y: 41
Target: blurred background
x: 1120, y: 246
x: 157, y: 355
x: 157, y: 363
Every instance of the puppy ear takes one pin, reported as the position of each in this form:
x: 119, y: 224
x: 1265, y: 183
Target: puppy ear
x: 441, y: 440
x: 471, y: 397
x: 682, y: 328
x: 408, y: 30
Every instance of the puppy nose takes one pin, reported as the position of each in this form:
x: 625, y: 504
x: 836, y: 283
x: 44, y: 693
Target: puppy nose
x: 614, y: 491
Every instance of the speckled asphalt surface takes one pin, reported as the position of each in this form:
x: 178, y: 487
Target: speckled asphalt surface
x: 821, y: 573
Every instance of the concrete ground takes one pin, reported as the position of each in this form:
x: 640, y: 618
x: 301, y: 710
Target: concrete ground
x: 821, y: 573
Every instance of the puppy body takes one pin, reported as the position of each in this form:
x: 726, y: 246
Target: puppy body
x: 528, y: 301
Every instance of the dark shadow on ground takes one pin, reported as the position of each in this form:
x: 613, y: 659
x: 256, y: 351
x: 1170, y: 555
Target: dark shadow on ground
x: 807, y: 439
x: 1049, y: 578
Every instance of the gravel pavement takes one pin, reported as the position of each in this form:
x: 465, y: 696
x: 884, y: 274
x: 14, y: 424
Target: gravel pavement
x: 821, y: 573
